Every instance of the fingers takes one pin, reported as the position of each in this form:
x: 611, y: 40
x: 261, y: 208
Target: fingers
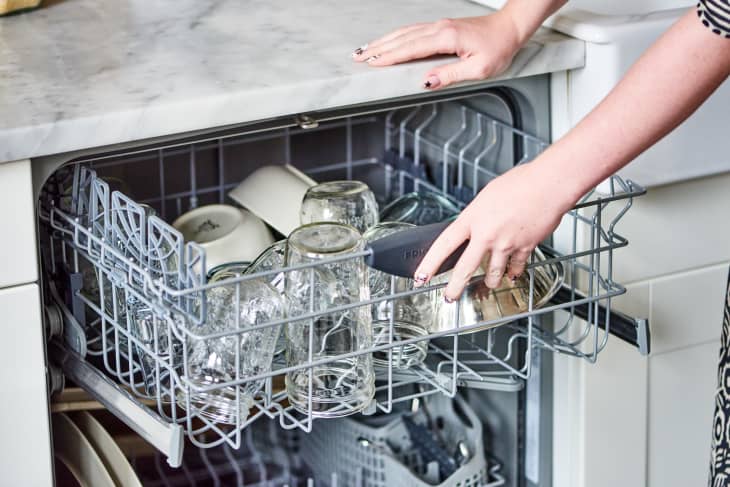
x: 449, y: 240
x: 416, y: 46
x: 472, y: 68
x: 517, y: 263
x: 495, y: 269
x: 395, y: 34
x: 463, y: 270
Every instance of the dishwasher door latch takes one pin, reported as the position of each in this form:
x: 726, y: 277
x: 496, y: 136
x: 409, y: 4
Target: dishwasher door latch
x: 306, y: 122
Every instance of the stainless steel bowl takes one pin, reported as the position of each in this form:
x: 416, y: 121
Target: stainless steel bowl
x: 479, y: 304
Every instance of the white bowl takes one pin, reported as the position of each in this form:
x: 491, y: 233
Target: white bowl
x: 275, y: 194
x: 227, y: 233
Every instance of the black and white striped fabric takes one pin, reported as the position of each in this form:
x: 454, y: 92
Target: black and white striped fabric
x: 715, y: 15
x: 720, y: 461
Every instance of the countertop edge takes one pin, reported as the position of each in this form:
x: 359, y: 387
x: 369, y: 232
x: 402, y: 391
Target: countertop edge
x: 370, y: 85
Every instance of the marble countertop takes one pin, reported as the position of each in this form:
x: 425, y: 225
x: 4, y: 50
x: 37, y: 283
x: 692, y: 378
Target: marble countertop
x: 88, y: 73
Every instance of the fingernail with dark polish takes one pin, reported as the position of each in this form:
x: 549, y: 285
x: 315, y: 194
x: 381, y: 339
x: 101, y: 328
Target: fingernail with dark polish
x: 359, y: 50
x: 432, y: 82
x: 372, y: 58
x: 448, y: 299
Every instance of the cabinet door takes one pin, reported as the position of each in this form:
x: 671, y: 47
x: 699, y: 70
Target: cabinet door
x: 18, y: 261
x: 25, y: 448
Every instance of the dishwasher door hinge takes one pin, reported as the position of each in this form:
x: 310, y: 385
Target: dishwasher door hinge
x: 306, y: 122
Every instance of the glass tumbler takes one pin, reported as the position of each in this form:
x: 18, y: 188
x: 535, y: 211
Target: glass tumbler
x: 241, y: 354
x: 412, y: 316
x: 155, y: 348
x: 271, y: 259
x: 342, y: 386
x: 349, y: 202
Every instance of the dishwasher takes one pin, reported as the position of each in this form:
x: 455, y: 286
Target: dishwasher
x: 103, y: 218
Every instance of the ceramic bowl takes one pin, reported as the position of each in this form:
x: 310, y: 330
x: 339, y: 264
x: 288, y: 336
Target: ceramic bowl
x: 228, y: 234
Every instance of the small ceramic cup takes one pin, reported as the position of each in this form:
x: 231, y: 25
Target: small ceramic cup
x: 274, y: 194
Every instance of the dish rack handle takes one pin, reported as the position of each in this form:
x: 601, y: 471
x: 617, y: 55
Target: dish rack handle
x: 168, y: 438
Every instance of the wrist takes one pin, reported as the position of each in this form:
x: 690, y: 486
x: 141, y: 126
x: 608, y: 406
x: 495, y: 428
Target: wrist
x: 528, y: 15
x: 567, y: 184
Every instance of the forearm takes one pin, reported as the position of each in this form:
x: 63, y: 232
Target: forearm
x: 528, y: 15
x: 662, y: 89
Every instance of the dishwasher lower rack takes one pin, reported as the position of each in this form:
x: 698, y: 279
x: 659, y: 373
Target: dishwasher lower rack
x: 272, y: 457
x: 104, y: 253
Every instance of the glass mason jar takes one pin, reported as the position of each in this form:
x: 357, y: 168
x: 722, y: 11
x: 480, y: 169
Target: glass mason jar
x: 342, y: 386
x: 412, y: 316
x: 234, y: 357
x: 349, y: 202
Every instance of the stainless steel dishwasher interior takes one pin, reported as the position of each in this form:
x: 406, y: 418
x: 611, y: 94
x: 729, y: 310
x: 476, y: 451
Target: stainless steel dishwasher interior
x: 451, y: 147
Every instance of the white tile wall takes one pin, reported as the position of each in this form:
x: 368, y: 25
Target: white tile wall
x: 681, y: 389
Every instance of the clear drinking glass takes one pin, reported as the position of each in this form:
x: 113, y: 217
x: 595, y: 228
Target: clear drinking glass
x: 227, y: 271
x: 216, y: 361
x: 412, y: 315
x: 152, y: 333
x: 349, y: 202
x: 270, y: 259
x: 345, y: 385
x: 420, y: 208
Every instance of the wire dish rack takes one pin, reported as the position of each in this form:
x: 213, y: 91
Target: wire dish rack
x: 268, y: 457
x: 104, y: 250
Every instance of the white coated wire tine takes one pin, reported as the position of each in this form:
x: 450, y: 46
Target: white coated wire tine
x: 446, y: 150
x: 388, y: 128
x: 462, y: 152
x: 490, y: 145
x: 417, y: 134
x: 403, y: 127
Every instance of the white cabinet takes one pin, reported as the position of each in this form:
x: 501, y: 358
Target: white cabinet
x: 18, y: 243
x: 25, y: 452
x: 646, y: 421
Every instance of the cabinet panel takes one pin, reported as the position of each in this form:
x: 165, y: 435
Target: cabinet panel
x: 675, y: 228
x: 18, y: 261
x: 686, y: 309
x: 681, y: 401
x: 25, y: 453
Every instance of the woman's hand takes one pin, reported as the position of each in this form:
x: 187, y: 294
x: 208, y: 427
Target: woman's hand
x: 503, y: 224
x: 486, y: 46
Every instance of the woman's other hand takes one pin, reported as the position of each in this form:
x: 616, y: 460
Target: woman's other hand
x: 485, y: 46
x: 503, y: 224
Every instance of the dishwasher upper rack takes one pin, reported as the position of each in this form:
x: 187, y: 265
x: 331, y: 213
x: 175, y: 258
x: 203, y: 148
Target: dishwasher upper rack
x: 81, y: 230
